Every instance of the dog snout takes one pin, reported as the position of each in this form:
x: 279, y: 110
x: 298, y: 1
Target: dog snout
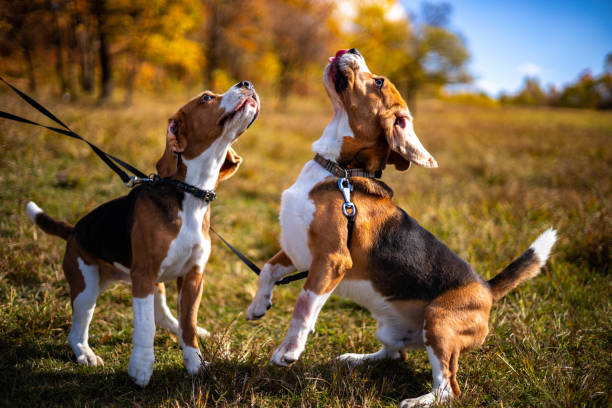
x: 354, y: 51
x: 245, y: 85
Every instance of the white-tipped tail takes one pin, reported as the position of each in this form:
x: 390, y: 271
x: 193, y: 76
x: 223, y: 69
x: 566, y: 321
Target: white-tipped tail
x: 543, y: 244
x: 33, y: 210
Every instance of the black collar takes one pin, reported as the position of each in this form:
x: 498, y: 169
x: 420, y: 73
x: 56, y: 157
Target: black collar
x: 206, y: 195
x: 339, y: 171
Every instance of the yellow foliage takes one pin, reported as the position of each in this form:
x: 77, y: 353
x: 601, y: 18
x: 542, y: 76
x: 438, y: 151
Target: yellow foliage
x: 221, y: 81
x: 146, y: 76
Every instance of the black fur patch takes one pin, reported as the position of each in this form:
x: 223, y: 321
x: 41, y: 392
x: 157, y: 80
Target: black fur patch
x: 412, y: 264
x: 106, y: 231
x: 360, y: 184
x: 340, y: 81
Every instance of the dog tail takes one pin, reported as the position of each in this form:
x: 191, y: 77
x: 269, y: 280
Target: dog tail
x: 49, y: 225
x: 525, y: 267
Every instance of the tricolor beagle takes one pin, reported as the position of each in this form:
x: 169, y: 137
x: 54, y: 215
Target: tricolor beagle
x: 156, y: 233
x: 419, y: 291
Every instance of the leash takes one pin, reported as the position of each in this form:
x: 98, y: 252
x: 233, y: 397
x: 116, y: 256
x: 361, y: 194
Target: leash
x: 118, y: 166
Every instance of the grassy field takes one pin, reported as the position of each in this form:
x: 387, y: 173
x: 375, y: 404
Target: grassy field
x: 505, y: 175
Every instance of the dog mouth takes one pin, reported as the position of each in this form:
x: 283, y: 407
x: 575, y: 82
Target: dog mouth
x: 336, y: 75
x: 247, y: 101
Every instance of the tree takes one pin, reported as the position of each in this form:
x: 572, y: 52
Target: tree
x: 412, y: 55
x: 299, y: 37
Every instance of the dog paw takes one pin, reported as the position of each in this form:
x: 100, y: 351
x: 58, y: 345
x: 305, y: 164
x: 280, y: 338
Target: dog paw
x: 284, y: 356
x: 257, y: 309
x: 192, y: 360
x: 140, y: 368
x: 426, y: 400
x: 90, y: 359
x: 86, y: 356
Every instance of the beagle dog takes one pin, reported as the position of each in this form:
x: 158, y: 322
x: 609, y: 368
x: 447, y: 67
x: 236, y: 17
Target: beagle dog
x: 419, y: 291
x: 157, y: 232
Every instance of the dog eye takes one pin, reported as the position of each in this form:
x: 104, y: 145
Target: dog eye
x: 379, y: 82
x: 206, y: 97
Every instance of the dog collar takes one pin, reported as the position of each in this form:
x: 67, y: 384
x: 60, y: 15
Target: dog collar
x: 206, y: 195
x: 339, y: 171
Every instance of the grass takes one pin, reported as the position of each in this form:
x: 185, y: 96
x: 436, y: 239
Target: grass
x: 506, y: 174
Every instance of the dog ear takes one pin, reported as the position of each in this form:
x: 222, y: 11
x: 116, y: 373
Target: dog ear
x: 167, y: 166
x: 398, y: 161
x: 405, y: 145
x: 230, y: 165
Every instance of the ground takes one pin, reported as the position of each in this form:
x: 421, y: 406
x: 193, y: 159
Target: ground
x: 506, y: 174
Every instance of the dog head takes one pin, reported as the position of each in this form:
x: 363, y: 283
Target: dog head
x: 378, y: 116
x: 204, y: 120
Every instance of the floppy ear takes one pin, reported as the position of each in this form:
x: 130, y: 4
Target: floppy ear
x: 398, y: 161
x: 167, y: 166
x: 231, y: 164
x: 405, y: 145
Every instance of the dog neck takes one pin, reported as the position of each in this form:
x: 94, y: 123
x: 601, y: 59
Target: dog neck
x: 329, y: 145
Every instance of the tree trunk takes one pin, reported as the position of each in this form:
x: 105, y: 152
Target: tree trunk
x: 27, y: 53
x: 59, y: 55
x: 129, y: 83
x: 106, y: 82
x: 211, y: 50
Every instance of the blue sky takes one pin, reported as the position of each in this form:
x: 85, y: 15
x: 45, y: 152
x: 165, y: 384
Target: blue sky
x: 552, y: 40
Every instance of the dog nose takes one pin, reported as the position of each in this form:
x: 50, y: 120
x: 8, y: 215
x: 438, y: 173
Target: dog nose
x: 244, y: 84
x: 354, y: 51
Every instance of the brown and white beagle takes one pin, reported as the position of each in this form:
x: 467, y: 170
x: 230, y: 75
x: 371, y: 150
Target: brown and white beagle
x: 156, y: 233
x: 419, y: 291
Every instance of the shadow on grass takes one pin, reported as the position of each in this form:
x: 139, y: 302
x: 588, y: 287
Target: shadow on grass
x: 45, y: 374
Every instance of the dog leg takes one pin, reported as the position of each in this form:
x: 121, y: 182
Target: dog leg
x: 164, y: 317
x: 325, y: 274
x: 454, y: 322
x: 140, y: 367
x: 80, y: 274
x: 189, y: 301
x: 275, y: 269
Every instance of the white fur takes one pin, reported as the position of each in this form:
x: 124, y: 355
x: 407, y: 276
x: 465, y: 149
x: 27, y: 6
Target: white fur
x: 441, y: 391
x: 269, y: 275
x: 140, y: 367
x: 394, y: 331
x: 33, y: 210
x: 82, y: 311
x: 305, y: 315
x: 296, y: 213
x: 543, y: 245
x: 192, y: 359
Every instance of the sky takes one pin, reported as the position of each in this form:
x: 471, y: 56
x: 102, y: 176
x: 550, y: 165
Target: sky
x: 552, y: 40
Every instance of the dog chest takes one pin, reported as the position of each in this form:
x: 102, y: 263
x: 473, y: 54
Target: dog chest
x: 190, y: 248
x: 296, y: 214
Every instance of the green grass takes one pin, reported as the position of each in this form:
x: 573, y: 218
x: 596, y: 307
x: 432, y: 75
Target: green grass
x: 505, y: 175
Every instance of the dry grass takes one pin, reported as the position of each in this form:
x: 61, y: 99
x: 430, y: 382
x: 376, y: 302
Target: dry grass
x: 505, y: 175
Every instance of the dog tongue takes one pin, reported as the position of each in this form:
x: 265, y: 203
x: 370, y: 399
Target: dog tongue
x: 340, y: 53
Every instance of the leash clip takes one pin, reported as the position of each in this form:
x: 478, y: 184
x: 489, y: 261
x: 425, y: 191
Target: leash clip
x: 134, y: 180
x: 348, y: 208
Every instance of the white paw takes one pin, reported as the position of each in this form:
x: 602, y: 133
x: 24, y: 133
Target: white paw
x: 351, y: 359
x: 203, y: 333
x: 140, y: 368
x: 192, y: 360
x: 426, y: 400
x: 284, y: 355
x: 86, y: 356
x: 258, y: 308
